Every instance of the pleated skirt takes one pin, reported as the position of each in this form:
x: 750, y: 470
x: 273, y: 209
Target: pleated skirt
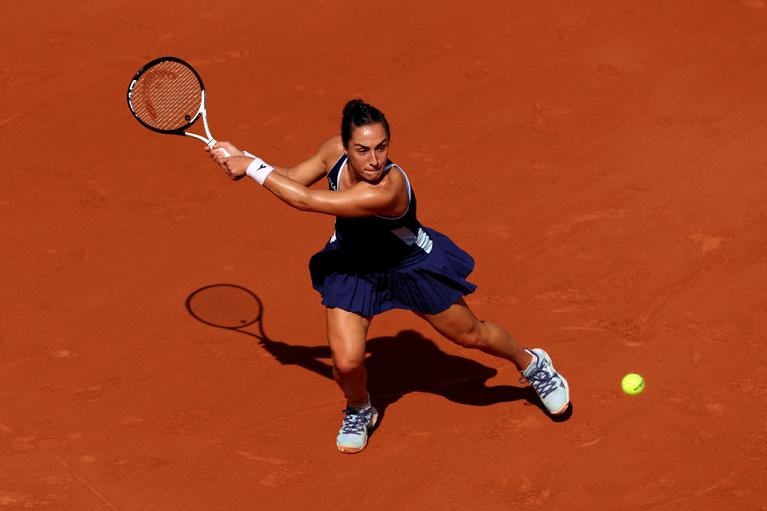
x: 421, y: 282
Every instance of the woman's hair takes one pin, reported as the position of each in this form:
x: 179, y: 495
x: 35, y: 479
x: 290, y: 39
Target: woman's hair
x: 358, y: 113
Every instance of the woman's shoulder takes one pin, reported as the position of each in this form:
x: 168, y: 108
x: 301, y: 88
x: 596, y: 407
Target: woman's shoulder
x: 332, y: 150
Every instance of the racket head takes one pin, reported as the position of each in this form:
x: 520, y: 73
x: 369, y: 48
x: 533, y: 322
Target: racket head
x: 167, y: 95
x: 226, y: 306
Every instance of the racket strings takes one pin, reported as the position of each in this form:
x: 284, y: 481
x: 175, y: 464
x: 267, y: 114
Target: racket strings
x: 167, y: 96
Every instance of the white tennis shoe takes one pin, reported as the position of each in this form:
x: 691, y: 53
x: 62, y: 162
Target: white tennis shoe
x: 550, y: 386
x: 353, y: 435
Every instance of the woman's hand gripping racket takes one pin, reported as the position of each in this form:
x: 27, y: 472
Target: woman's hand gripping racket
x: 167, y: 96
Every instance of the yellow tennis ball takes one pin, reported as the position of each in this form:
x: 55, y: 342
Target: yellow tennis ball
x: 632, y: 384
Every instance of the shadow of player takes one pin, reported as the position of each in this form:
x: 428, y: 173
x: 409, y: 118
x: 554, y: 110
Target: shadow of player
x: 397, y: 365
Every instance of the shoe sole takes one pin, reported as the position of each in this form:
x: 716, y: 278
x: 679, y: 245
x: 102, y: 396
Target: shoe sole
x: 352, y: 450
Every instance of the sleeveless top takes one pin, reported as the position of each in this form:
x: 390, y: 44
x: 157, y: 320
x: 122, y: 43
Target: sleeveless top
x: 379, y: 240
x: 373, y: 264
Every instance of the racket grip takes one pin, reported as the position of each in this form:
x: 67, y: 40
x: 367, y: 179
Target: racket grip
x: 220, y: 149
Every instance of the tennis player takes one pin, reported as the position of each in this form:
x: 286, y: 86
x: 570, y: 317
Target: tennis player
x: 379, y: 258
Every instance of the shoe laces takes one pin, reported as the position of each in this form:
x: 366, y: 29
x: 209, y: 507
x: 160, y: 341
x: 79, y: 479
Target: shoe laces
x: 543, y: 379
x: 355, y: 421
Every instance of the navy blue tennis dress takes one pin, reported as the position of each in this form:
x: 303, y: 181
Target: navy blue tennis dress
x: 374, y: 264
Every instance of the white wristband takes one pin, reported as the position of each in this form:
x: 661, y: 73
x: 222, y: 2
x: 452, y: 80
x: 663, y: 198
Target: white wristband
x: 246, y: 153
x: 259, y: 170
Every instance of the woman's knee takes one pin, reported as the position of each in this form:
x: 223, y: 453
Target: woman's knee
x: 346, y: 336
x: 348, y: 363
x: 470, y: 337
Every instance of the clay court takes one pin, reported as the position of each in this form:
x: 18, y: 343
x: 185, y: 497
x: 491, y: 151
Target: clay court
x: 604, y: 162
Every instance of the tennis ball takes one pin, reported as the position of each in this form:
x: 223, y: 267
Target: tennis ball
x: 632, y: 384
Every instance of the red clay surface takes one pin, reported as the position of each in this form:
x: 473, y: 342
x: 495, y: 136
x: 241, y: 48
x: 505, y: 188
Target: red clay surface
x: 605, y: 163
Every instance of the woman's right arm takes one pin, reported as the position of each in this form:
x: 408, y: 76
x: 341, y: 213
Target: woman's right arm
x: 306, y: 173
x: 387, y: 197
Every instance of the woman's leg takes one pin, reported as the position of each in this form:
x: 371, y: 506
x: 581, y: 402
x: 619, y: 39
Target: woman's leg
x: 347, y: 334
x: 459, y: 325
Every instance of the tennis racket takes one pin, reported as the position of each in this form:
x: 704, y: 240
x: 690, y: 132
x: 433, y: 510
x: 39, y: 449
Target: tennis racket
x: 167, y: 96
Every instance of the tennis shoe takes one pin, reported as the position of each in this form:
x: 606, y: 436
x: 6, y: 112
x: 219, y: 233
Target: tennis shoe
x: 550, y: 386
x: 353, y: 435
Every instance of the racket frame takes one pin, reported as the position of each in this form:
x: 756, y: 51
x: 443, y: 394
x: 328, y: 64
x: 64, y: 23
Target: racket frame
x: 201, y: 112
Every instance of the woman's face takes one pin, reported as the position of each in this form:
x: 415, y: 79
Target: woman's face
x: 368, y: 151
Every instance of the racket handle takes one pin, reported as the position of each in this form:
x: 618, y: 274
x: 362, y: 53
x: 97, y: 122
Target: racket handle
x: 220, y: 149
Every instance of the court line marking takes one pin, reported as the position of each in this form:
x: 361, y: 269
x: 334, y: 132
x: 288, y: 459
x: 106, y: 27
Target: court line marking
x: 87, y: 484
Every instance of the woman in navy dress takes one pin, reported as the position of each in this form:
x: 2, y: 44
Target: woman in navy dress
x: 380, y: 258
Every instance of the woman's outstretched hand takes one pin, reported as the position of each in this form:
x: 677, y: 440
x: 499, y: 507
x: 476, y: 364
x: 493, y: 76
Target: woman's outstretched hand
x: 234, y: 165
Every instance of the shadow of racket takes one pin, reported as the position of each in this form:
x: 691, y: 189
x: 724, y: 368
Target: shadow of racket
x: 227, y: 306
x: 236, y: 308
